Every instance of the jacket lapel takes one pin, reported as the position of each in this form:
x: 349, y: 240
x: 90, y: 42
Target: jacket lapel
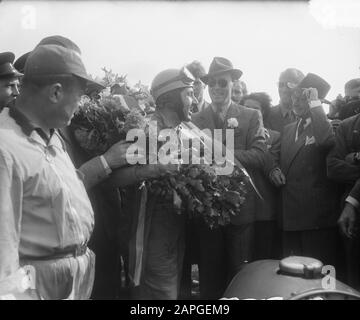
x: 206, y: 118
x: 233, y: 112
x: 293, y: 147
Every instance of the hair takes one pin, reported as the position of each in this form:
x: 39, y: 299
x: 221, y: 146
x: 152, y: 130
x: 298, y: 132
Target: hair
x: 37, y: 83
x: 196, y: 69
x: 263, y: 98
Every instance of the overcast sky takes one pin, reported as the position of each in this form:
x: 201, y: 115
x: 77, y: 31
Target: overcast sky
x: 143, y: 38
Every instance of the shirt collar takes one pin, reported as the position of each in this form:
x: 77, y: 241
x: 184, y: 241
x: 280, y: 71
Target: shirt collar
x: 285, y: 111
x: 224, y: 109
x: 27, y: 126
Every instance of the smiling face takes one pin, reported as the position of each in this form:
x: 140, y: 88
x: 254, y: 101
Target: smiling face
x: 220, y: 88
x: 237, y: 92
x: 187, y: 98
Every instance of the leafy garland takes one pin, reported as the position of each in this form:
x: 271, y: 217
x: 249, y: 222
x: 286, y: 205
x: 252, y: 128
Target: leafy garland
x: 200, y: 192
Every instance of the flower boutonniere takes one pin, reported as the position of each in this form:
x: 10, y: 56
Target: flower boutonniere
x: 232, y: 123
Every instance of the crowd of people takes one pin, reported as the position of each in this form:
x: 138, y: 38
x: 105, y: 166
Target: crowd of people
x: 91, y: 228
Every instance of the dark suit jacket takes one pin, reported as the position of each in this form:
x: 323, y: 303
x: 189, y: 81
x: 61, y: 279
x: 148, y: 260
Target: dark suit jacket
x: 249, y: 145
x: 347, y: 141
x: 276, y: 121
x: 308, y: 198
x: 355, y: 191
x: 267, y: 209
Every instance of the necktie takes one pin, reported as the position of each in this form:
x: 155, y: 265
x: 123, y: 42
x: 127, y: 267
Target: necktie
x: 217, y: 119
x: 301, y: 126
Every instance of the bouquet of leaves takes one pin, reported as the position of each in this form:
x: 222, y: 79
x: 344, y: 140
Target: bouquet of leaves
x: 200, y: 191
x: 97, y: 125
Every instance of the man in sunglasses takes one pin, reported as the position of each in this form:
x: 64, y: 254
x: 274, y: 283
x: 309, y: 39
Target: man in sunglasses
x: 224, y: 250
x: 309, y: 198
x: 283, y: 114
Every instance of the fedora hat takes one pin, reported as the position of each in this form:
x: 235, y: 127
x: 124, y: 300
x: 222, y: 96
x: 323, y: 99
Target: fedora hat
x: 221, y: 65
x: 54, y: 60
x: 312, y: 80
x: 57, y: 40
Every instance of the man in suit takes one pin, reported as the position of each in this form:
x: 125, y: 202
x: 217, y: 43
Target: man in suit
x: 343, y: 167
x: 224, y: 250
x: 283, y: 114
x: 309, y: 203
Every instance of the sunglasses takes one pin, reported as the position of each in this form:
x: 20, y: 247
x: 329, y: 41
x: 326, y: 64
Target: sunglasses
x: 222, y: 83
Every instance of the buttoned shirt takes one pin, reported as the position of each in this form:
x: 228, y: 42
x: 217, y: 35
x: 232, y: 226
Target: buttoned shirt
x: 44, y: 207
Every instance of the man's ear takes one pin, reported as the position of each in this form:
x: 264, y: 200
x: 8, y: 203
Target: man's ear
x: 56, y: 92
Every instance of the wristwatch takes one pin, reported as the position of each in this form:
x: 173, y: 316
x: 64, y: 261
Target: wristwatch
x: 105, y: 165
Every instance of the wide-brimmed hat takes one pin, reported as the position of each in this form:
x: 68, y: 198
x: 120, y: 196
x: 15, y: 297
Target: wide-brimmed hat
x: 221, y: 65
x: 54, y: 60
x: 19, y: 64
x: 314, y: 81
x: 6, y: 65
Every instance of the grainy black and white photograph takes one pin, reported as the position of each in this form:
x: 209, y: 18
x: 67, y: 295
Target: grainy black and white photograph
x: 197, y: 151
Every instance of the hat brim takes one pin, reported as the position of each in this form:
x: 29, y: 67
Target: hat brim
x: 235, y: 74
x: 314, y: 81
x: 19, y: 63
x: 90, y: 83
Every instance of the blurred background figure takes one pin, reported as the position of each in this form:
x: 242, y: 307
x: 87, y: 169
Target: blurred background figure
x: 9, y: 79
x: 267, y: 234
x: 345, y: 107
x: 198, y: 71
x: 283, y: 114
x: 238, y: 91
